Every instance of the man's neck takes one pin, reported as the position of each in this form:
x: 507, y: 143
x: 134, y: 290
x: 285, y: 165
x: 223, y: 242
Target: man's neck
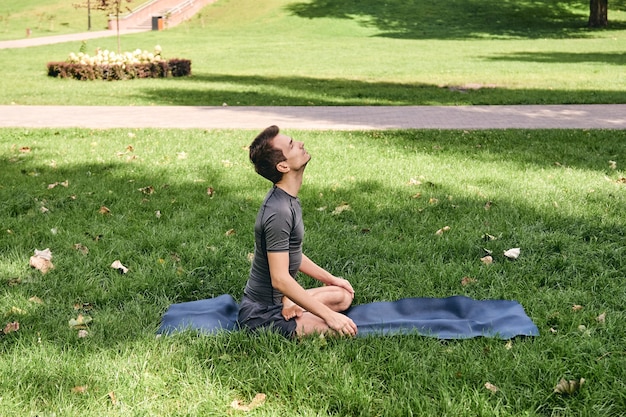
x: 290, y: 184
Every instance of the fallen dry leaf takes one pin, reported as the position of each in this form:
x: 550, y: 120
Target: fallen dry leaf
x: 112, y: 398
x: 95, y: 238
x: 16, y: 310
x: 488, y: 205
x: 569, y: 387
x: 487, y: 260
x: 11, y: 327
x: 512, y: 253
x: 36, y: 300
x: 230, y: 232
x: 81, y: 248
x: 147, y: 190
x: 612, y: 164
x: 491, y: 387
x: 442, y: 230
x: 601, y: 318
x: 42, y: 260
x: 82, y: 333
x: 104, y: 210
x: 83, y: 306
x: 433, y: 200
x: 341, y: 208
x: 577, y: 307
x: 120, y: 268
x: 65, y: 184
x: 210, y: 192
x: 509, y: 345
x: 467, y: 281
x: 80, y: 322
x: 80, y: 389
x: 257, y: 401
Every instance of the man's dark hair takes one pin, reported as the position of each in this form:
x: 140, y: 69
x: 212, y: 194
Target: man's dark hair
x: 265, y: 157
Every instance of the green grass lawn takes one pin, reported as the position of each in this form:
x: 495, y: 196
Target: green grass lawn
x: 140, y: 196
x: 289, y: 52
x: 557, y: 195
x: 48, y: 18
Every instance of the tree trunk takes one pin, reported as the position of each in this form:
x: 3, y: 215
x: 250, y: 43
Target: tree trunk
x: 117, y: 23
x: 598, y: 13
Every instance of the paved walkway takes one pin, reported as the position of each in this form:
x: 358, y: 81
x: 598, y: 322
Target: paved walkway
x: 339, y: 117
x: 72, y: 37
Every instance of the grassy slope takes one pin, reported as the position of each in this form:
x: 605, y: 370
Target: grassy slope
x: 355, y: 53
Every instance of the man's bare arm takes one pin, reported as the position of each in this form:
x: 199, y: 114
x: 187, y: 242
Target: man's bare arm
x: 315, y: 271
x: 284, y: 282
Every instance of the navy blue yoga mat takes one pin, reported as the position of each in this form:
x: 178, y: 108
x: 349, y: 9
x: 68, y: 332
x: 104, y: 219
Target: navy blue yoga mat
x: 210, y: 315
x: 455, y: 317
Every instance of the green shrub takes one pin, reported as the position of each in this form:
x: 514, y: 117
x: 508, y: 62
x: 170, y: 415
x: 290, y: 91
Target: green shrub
x: 108, y: 65
x: 110, y: 72
x: 179, y: 67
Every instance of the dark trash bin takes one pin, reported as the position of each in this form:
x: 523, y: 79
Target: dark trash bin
x: 157, y: 22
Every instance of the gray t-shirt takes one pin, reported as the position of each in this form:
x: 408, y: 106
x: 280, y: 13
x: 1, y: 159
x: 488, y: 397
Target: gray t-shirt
x: 278, y: 228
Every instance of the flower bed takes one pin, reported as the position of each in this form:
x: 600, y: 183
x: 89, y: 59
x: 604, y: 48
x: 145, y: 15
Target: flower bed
x: 107, y: 65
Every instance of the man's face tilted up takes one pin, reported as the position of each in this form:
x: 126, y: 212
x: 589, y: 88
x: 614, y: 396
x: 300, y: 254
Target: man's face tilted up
x: 296, y: 156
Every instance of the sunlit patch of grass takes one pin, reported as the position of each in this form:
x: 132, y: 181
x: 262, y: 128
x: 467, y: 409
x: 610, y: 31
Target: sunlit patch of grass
x: 554, y: 194
x: 353, y: 53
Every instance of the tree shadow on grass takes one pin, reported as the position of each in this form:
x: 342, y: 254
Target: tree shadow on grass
x: 615, y: 58
x: 189, y: 253
x: 460, y: 19
x: 309, y: 91
x: 171, y: 235
x: 385, y: 244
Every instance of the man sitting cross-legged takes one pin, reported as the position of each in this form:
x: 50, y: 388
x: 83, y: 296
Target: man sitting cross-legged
x: 272, y: 296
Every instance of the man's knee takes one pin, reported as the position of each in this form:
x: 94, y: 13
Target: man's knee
x: 344, y: 297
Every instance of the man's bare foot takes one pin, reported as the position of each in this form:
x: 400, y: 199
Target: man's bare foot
x: 290, y: 309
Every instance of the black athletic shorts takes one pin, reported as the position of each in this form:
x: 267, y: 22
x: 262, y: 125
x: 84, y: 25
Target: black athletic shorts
x: 253, y: 315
